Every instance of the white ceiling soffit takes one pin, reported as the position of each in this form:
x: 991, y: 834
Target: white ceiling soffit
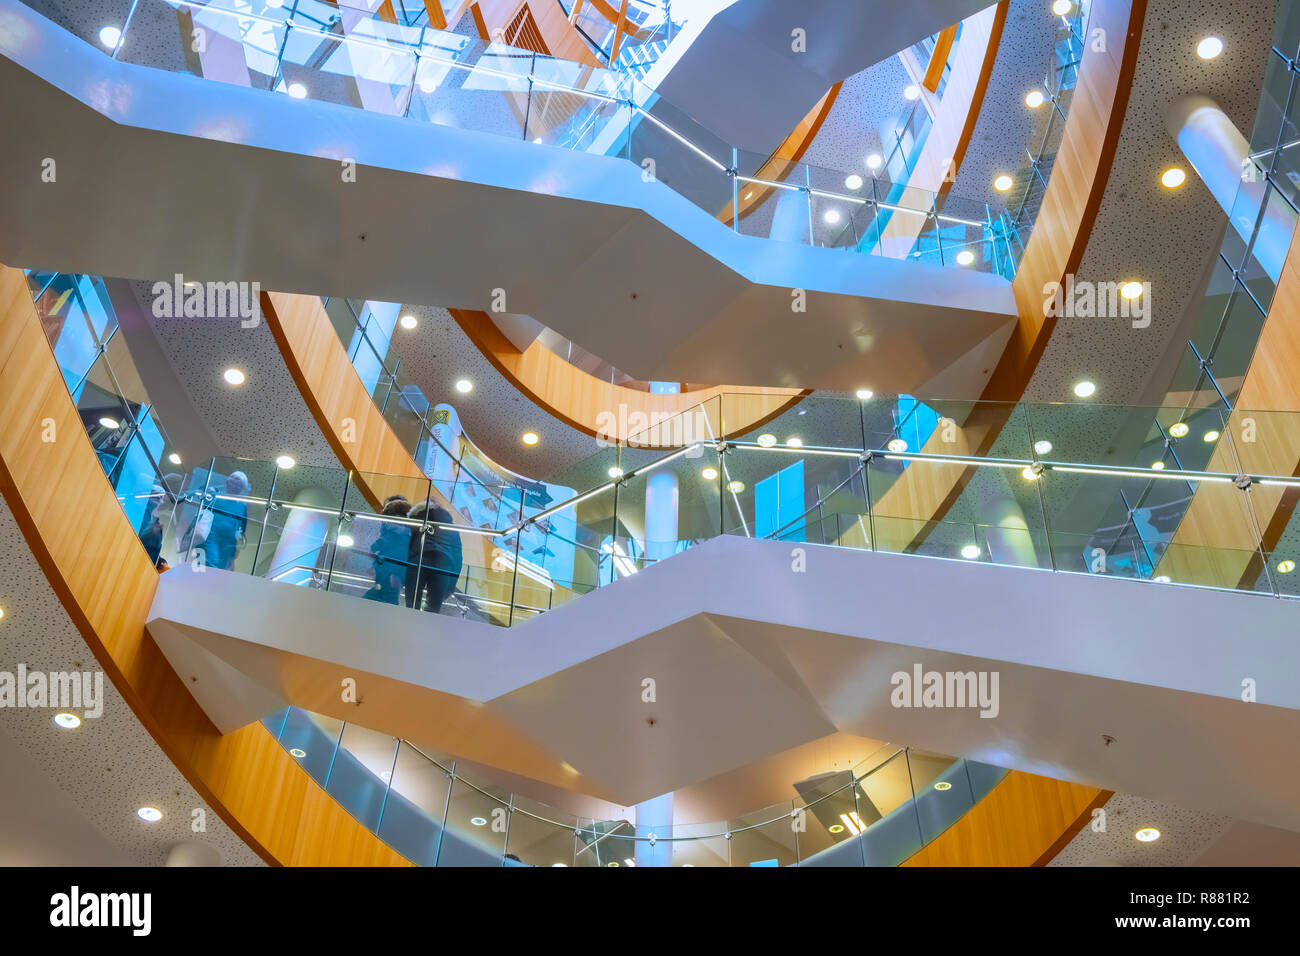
x: 160, y: 173
x: 752, y: 658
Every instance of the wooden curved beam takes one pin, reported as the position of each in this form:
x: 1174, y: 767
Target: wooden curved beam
x: 586, y: 403
x: 93, y: 559
x: 1024, y: 821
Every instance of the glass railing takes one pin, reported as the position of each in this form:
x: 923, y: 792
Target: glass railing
x: 877, y: 813
x: 311, y: 49
x: 652, y: 25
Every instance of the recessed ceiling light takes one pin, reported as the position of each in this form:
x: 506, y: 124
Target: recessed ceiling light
x: 835, y: 828
x: 1162, y: 579
x: 911, y: 92
x: 766, y: 441
x: 1210, y: 436
x: 1285, y: 567
x: 615, y: 472
x: 478, y: 821
x: 854, y: 181
x: 832, y: 216
x: 297, y: 752
x: 865, y: 394
x: 943, y: 785
x: 285, y: 462
x: 1172, y: 178
x: 1209, y: 48
x: 612, y: 863
x: 537, y: 140
x: 110, y: 422
x: 1085, y: 389
x: 345, y: 541
x: 233, y: 376
x: 67, y: 721
x: 464, y: 386
x: 1178, y: 429
x: 110, y: 36
x: 897, y: 444
x: 750, y: 194
x: 970, y: 552
x: 1042, y: 446
x: 529, y: 438
x: 1029, y: 474
x: 1003, y: 183
x: 965, y: 257
x: 794, y: 442
x: 174, y: 458
x: 735, y: 487
x: 1157, y: 466
x: 1034, y: 99
x: 1131, y: 290
x: 297, y: 91
x: 149, y: 814
x: 709, y: 473
x: 408, y: 321
x: 1147, y: 835
x: 1062, y: 7
x: 874, y: 161
x: 553, y: 865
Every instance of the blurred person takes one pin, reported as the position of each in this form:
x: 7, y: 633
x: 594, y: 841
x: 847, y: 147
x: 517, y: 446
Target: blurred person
x: 435, y: 559
x: 229, y: 528
x: 391, y: 550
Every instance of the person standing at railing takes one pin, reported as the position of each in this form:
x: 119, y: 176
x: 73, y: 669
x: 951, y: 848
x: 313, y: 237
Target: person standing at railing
x: 226, y: 536
x: 391, y: 550
x: 435, y: 559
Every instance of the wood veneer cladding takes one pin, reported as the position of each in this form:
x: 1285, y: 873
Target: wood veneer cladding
x: 93, y: 560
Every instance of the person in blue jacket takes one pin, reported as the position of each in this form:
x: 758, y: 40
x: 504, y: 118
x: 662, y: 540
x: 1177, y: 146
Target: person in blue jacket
x: 229, y: 524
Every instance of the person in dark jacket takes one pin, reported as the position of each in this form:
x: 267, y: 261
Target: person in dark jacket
x: 435, y: 558
x: 229, y: 524
x: 391, y: 550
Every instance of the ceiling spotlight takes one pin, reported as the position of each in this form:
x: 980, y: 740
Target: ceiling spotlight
x: 970, y: 552
x: 1085, y: 389
x: 853, y: 182
x: 464, y: 386
x: 1172, y: 178
x: 1131, y: 290
x: 1209, y: 48
x: 174, y: 458
x: 110, y: 37
x: 1285, y: 567
x: 794, y: 442
x: 615, y: 472
x: 1210, y: 436
x: 1029, y: 474
x: 943, y: 785
x: 1162, y: 579
x: 529, y: 438
x: 835, y: 828
x: 297, y: 752
x: 1062, y: 7
x: 911, y: 92
x: 874, y: 162
x: 285, y: 462
x: 766, y: 441
x: 832, y: 216
x: 1042, y: 446
x: 67, y: 721
x: 408, y: 321
x: 1003, y: 183
x: 297, y: 91
x: 478, y: 821
x: 149, y: 814
x: 1147, y: 835
x: 897, y: 444
x: 735, y: 487
x: 965, y: 257
x: 749, y: 195
x: 110, y: 422
x: 233, y: 376
x: 345, y: 541
x: 865, y: 394
x: 1034, y: 99
x: 1178, y: 429
x: 1157, y: 466
x: 709, y: 473
x: 558, y: 864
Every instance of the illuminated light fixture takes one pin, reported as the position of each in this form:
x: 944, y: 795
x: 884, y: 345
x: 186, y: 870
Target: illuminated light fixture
x: 836, y: 828
x: 874, y: 162
x: 478, y: 821
x: 464, y: 386
x: 1131, y: 290
x: 553, y: 865
x: 709, y: 474
x: 628, y: 861
x: 832, y: 216
x: 297, y: 752
x: 428, y: 84
x: 2, y: 614
x: 174, y: 458
x: 149, y: 814
x: 408, y: 321
x: 285, y: 462
x: 1209, y: 48
x: 110, y: 422
x: 67, y: 721
x: 297, y: 91
x: 612, y: 863
x: 794, y: 442
x: 1085, y: 389
x: 1029, y: 474
x: 766, y: 441
x: 1158, y: 465
x: 110, y: 37
x: 865, y: 394
x: 853, y: 182
x: 735, y: 487
x: 538, y: 140
x: 1285, y: 567
x: 852, y: 822
x: 1147, y: 835
x: 750, y: 194
x: 897, y: 444
x: 1162, y: 579
x: 1172, y: 178
x: 234, y: 376
x: 943, y: 785
x: 1210, y: 436
x: 1042, y: 446
x: 970, y: 552
x: 1062, y: 7
x: 345, y: 541
x: 1034, y: 99
x: 1178, y: 429
x: 911, y: 92
x: 615, y: 472
x: 965, y: 257
x: 529, y: 438
x: 1003, y: 183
